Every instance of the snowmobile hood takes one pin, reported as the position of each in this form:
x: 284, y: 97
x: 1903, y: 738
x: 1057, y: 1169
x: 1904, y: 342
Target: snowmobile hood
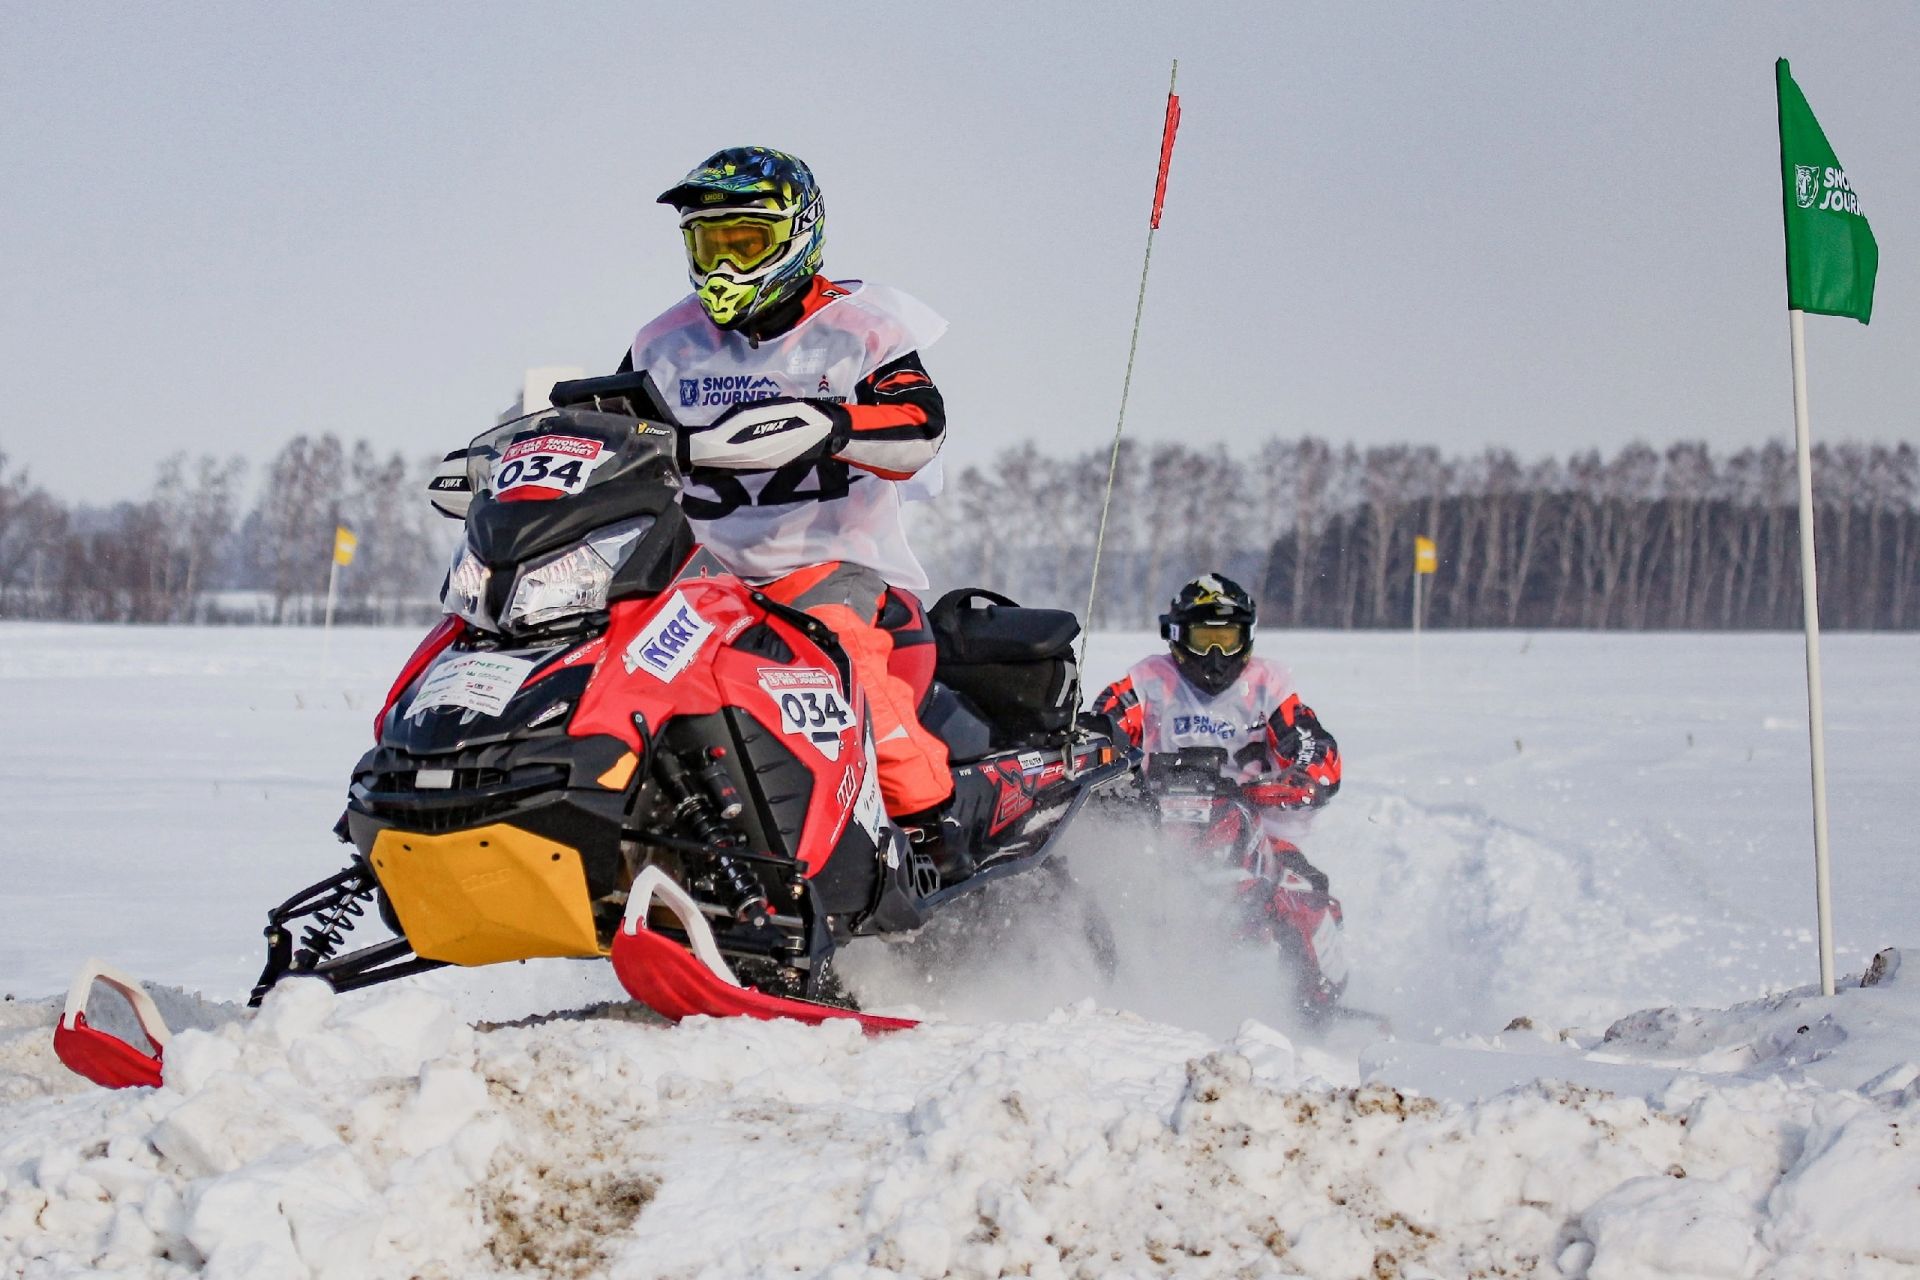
x: 549, y: 479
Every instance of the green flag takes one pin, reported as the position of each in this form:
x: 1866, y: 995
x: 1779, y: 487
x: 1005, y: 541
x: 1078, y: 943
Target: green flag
x: 1831, y: 254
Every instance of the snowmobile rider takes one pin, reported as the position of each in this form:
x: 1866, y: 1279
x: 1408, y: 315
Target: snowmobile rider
x: 811, y: 419
x: 1209, y: 690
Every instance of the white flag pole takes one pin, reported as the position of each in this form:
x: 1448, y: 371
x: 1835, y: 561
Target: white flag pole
x: 1810, y: 609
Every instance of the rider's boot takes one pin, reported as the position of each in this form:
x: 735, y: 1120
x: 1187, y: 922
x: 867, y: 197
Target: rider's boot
x: 953, y: 831
x: 1307, y: 923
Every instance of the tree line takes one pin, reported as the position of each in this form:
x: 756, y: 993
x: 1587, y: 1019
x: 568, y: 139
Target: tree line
x: 197, y: 548
x: 1675, y: 538
x: 1679, y: 538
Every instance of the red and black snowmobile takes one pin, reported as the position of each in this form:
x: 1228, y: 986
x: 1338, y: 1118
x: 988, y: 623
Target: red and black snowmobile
x: 611, y: 746
x: 1280, y: 898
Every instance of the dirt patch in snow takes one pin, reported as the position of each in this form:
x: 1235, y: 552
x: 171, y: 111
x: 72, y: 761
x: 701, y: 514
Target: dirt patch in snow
x: 552, y: 1222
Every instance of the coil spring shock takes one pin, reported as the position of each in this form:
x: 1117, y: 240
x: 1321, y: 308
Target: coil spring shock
x: 319, y: 940
x: 749, y: 899
x: 701, y: 809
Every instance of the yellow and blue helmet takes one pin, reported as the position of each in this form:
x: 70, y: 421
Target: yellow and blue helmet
x: 754, y: 224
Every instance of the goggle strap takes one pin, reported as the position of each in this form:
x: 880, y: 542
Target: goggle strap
x: 779, y: 213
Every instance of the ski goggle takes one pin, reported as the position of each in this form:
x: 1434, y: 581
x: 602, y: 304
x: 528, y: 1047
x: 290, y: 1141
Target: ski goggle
x: 747, y: 241
x: 1199, y: 638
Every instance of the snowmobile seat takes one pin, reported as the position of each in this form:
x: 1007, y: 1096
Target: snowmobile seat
x: 1013, y: 665
x: 972, y: 627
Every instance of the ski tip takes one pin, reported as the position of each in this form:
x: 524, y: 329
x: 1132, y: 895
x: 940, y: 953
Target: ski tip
x: 103, y: 1058
x: 695, y: 980
x: 106, y: 1060
x: 669, y: 979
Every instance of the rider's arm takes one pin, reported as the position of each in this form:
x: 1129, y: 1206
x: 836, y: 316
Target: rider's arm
x: 1119, y: 703
x: 893, y: 428
x: 896, y: 421
x: 1305, y: 755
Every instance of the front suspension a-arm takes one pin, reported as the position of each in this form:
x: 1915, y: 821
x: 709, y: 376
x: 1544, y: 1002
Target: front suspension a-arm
x: 337, y: 903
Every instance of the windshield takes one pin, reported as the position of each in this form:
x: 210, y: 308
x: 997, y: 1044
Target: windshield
x: 558, y: 453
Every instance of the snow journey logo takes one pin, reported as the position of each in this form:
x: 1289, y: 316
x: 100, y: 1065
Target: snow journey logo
x: 727, y: 388
x: 1818, y: 188
x: 1806, y: 187
x: 1205, y: 726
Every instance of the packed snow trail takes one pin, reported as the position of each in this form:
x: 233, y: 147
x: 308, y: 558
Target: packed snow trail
x: 1597, y: 843
x: 1560, y: 826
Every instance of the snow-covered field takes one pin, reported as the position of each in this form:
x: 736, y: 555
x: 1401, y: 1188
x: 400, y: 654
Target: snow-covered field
x: 1577, y: 874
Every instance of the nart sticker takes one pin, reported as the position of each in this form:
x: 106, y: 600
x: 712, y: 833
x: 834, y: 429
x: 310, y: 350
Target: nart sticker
x: 671, y: 641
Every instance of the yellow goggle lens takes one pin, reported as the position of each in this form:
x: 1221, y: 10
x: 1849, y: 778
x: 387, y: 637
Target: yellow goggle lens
x: 1228, y: 637
x: 745, y: 241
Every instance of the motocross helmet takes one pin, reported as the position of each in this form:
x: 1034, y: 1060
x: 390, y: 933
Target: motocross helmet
x: 754, y: 224
x: 1209, y: 628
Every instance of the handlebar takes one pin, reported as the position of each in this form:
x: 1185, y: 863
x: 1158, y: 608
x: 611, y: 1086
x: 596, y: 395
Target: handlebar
x: 633, y: 392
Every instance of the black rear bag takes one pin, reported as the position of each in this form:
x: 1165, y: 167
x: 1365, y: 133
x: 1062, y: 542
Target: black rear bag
x: 1014, y: 664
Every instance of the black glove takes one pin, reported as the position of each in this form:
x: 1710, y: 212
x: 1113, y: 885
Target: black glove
x: 1298, y: 741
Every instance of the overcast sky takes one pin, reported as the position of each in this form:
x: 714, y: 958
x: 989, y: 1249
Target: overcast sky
x: 1548, y: 227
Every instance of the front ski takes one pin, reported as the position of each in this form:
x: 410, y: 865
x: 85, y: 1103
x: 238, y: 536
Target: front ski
x: 673, y: 980
x: 100, y: 1056
x: 677, y: 981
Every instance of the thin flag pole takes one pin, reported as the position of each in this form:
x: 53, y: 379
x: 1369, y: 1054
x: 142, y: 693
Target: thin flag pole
x: 1831, y: 261
x: 326, y: 629
x: 1419, y: 602
x: 1417, y: 575
x: 1810, y: 610
x: 1167, y: 132
x: 343, y: 546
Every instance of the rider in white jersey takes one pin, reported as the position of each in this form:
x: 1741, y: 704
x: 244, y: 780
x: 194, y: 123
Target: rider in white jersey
x: 1210, y: 690
x: 811, y: 420
x: 842, y: 505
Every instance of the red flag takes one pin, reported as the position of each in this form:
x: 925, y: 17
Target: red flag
x: 1166, y: 154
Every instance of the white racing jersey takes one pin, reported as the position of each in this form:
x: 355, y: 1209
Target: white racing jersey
x: 765, y: 525
x: 1177, y: 715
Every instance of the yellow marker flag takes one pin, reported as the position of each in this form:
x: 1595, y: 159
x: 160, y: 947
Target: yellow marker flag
x: 1426, y: 557
x: 343, y: 544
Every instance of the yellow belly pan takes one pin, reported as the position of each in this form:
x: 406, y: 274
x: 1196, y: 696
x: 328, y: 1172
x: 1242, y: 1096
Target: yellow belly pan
x: 487, y: 894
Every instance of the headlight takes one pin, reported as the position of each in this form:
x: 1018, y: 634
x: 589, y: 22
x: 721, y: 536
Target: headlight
x: 576, y: 580
x: 466, y: 592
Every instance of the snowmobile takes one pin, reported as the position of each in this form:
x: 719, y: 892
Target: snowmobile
x: 1280, y: 898
x: 611, y: 746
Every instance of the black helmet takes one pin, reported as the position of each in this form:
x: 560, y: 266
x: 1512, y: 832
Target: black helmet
x: 1209, y: 627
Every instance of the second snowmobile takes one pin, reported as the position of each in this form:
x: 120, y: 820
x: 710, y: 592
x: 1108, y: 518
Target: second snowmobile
x: 1203, y: 815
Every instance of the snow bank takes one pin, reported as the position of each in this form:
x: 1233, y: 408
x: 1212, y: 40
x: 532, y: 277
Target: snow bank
x: 379, y: 1135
